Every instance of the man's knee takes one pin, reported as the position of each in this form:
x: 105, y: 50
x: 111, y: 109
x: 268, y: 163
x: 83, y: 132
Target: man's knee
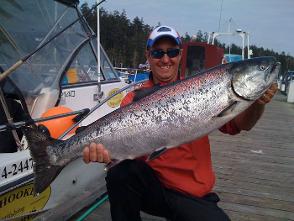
x: 223, y: 216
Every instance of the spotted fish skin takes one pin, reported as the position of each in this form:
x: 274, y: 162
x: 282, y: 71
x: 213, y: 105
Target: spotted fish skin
x: 174, y: 114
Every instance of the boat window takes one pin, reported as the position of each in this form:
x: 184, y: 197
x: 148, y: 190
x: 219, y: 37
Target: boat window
x: 106, y: 66
x: 84, y: 68
x: 30, y: 24
x: 195, y: 60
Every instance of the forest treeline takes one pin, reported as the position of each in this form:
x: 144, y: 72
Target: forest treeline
x: 125, y: 40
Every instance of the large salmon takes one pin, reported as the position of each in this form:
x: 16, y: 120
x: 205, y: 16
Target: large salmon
x: 171, y: 115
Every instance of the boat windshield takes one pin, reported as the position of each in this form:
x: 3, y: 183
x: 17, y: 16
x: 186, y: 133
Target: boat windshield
x: 25, y: 25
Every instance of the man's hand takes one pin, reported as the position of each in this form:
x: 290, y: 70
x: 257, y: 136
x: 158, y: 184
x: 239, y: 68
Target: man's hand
x: 96, y: 153
x: 268, y: 95
x: 247, y: 119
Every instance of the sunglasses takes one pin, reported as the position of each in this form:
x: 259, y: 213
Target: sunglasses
x: 159, y: 53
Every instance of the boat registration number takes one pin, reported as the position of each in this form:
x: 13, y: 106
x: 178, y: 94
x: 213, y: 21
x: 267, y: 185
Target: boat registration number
x: 16, y: 168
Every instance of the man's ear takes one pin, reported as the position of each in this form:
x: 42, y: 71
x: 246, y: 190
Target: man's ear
x: 181, y: 54
x: 147, y: 55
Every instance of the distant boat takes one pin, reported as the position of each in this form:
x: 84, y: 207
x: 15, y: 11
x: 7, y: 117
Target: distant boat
x: 131, y: 75
x: 232, y: 58
x: 139, y: 76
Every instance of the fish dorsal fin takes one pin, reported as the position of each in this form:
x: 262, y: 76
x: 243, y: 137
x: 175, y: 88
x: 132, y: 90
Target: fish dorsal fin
x: 144, y: 92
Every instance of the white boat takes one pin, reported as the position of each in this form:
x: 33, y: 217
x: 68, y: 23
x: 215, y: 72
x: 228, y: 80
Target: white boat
x: 62, y: 73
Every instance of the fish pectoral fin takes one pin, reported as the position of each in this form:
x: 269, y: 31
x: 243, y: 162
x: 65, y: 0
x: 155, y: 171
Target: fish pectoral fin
x: 156, y: 153
x: 228, y: 110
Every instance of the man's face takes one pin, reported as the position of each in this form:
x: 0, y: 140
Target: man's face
x: 164, y: 69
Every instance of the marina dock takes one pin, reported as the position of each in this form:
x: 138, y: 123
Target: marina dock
x: 254, y: 170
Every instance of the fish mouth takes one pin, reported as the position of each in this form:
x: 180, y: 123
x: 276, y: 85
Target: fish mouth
x: 272, y: 73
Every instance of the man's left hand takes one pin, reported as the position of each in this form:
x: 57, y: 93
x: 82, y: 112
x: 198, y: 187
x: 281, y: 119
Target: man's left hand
x: 268, y: 95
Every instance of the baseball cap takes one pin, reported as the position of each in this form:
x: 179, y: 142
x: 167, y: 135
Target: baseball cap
x: 163, y: 31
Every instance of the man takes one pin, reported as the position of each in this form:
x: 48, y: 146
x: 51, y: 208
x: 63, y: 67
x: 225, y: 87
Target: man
x: 177, y: 184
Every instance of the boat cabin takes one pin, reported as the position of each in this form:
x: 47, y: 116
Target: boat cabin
x: 199, y: 56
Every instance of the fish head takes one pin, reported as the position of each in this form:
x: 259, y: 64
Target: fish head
x: 252, y: 77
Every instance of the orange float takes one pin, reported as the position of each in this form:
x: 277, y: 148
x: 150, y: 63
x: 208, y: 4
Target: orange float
x: 57, y: 127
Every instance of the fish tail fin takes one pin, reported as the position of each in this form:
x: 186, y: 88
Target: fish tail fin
x: 44, y: 171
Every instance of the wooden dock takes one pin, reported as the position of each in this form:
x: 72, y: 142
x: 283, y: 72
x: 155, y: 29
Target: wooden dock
x: 255, y: 169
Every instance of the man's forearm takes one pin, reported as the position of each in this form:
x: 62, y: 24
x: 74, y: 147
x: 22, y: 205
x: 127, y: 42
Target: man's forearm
x: 247, y: 119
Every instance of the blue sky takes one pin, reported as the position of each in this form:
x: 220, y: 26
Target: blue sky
x: 269, y: 22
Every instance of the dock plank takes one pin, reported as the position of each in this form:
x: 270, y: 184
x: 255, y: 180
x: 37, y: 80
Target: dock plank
x: 255, y: 169
x: 249, y: 209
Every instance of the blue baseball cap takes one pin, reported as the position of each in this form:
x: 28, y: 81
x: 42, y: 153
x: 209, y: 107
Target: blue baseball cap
x: 163, y: 31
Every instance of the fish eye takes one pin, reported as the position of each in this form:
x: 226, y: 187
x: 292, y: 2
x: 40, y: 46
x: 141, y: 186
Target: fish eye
x: 262, y: 67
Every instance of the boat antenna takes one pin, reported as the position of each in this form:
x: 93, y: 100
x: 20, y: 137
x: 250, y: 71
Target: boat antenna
x: 220, y: 15
x: 100, y: 93
x: 229, y: 31
x: 25, y: 58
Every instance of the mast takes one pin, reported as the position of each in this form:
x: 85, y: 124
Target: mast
x: 98, y: 50
x: 243, y: 34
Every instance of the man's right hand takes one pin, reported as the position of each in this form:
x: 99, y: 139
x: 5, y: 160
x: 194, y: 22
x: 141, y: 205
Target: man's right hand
x: 96, y: 153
